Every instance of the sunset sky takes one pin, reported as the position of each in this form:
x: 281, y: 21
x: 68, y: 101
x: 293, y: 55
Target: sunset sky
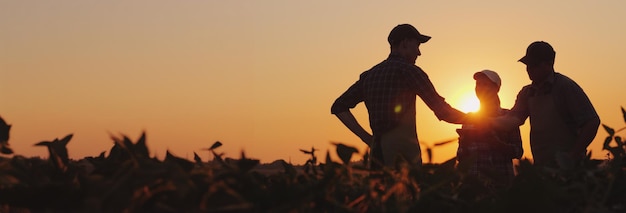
x: 260, y: 76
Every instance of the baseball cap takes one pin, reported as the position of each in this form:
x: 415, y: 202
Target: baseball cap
x: 404, y: 31
x: 538, y: 51
x: 493, y: 76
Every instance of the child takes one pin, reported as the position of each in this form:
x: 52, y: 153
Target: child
x: 484, y: 154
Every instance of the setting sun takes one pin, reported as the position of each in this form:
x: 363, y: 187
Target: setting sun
x: 469, y: 103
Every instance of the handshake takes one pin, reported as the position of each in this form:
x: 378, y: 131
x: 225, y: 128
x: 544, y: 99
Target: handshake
x: 482, y: 122
x: 476, y: 121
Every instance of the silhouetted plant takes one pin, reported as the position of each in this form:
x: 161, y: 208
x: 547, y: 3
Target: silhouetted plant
x: 128, y: 179
x: 311, y: 163
x: 57, y: 152
x: 4, y: 138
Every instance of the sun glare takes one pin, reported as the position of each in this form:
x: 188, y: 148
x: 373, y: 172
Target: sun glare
x: 469, y: 103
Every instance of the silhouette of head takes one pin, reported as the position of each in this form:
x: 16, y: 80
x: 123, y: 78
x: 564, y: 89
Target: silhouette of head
x: 487, y: 86
x: 538, y: 52
x: 489, y: 76
x: 405, y: 41
x: 539, y: 60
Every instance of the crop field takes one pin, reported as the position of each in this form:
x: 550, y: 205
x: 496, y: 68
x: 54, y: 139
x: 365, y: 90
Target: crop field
x: 127, y: 179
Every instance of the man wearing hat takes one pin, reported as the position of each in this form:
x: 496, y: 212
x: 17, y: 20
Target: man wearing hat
x: 563, y: 122
x: 389, y: 90
x: 486, y: 155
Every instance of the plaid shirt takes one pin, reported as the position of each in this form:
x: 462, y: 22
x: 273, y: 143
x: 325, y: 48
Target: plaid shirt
x: 488, y: 155
x: 389, y: 91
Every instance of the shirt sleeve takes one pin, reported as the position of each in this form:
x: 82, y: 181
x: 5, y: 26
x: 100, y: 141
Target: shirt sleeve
x: 349, y: 99
x: 514, y: 140
x: 423, y: 87
x: 520, y: 109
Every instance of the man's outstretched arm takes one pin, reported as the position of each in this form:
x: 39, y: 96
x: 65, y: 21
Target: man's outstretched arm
x: 348, y: 119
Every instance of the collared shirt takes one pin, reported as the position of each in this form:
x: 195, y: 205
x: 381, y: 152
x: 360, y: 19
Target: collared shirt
x: 492, y: 142
x: 389, y: 91
x: 488, y: 155
x: 572, y: 102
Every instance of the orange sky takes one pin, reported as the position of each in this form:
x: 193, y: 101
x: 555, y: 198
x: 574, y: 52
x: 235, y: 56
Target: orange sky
x: 260, y: 76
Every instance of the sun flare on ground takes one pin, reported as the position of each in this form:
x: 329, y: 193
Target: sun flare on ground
x: 468, y: 102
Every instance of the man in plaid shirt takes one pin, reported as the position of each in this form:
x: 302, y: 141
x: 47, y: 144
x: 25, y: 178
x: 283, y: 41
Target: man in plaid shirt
x: 389, y: 91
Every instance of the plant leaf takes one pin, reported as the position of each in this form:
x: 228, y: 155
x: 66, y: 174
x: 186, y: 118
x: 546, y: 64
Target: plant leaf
x: 43, y: 143
x: 366, y: 156
x: 446, y: 142
x: 197, y: 158
x: 215, y: 145
x: 183, y: 163
x: 345, y: 152
x: 220, y: 160
x: 128, y: 144
x: 328, y: 160
x: 609, y: 130
x: 607, y: 143
x: 429, y: 153
x: 245, y: 164
x: 140, y: 148
x: 66, y: 139
x: 624, y: 114
x: 5, y: 149
x: 289, y: 169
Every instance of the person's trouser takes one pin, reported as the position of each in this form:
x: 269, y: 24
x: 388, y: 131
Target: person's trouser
x: 399, y: 142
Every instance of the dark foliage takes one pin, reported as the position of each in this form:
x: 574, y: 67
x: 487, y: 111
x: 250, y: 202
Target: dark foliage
x: 129, y: 180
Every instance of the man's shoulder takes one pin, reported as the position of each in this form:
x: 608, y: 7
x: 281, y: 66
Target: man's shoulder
x: 395, y: 65
x: 399, y: 63
x: 408, y: 67
x: 566, y: 84
x: 526, y: 90
x: 563, y: 79
x: 526, y: 87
